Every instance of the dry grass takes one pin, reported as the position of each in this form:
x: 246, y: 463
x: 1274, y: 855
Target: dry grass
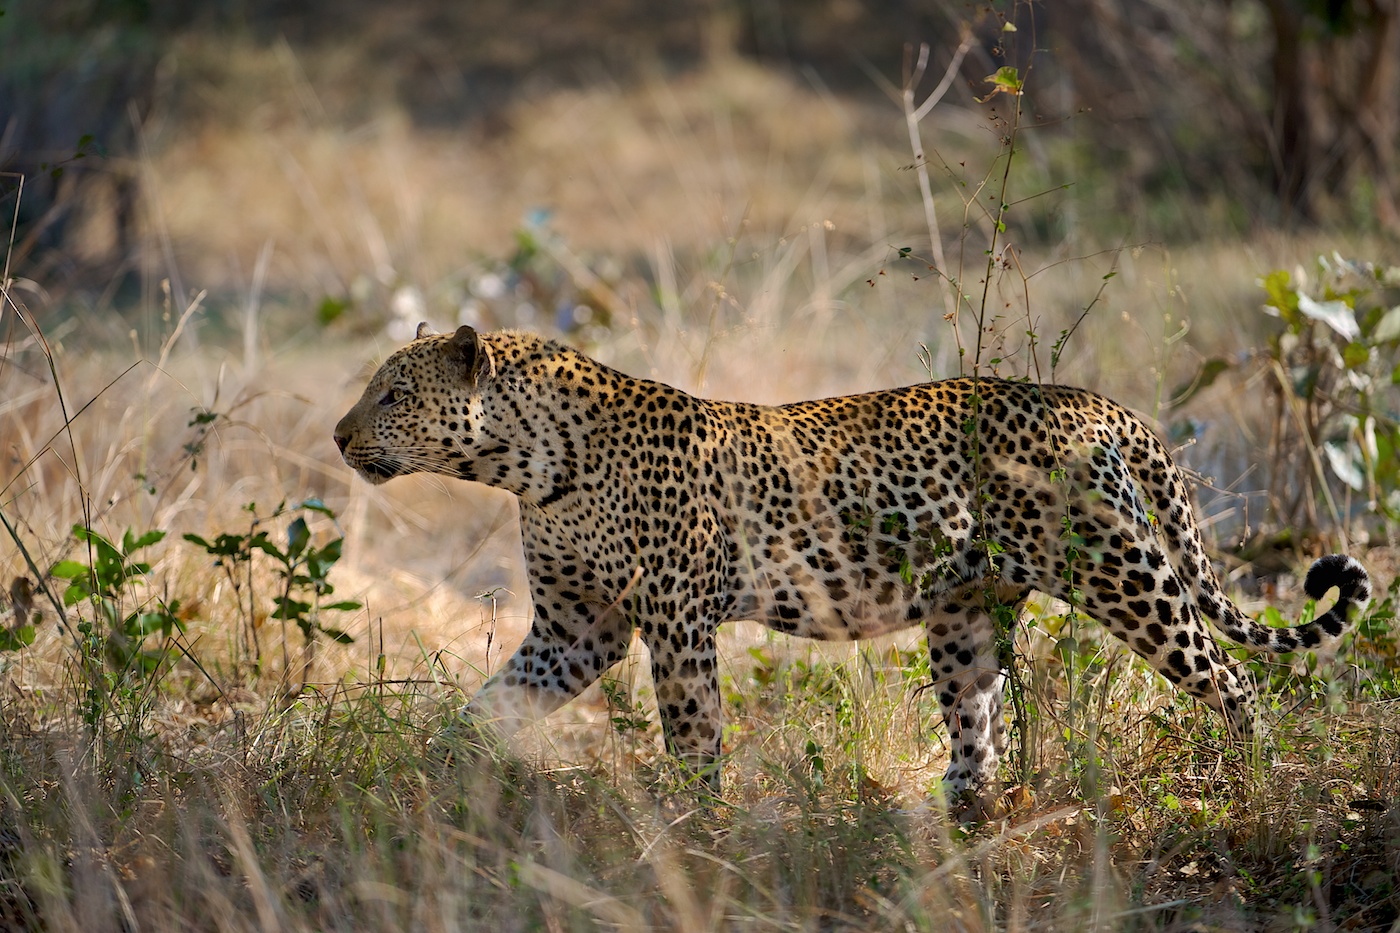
x: 736, y: 218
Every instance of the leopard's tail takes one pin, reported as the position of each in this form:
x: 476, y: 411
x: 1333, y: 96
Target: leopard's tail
x: 1354, y: 590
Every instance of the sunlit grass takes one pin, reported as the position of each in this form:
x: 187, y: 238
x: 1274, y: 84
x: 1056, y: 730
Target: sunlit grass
x: 216, y: 801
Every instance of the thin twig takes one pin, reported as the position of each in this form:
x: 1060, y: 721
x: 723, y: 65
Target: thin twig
x: 913, y: 115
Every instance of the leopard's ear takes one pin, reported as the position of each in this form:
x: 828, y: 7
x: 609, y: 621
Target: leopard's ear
x: 465, y: 351
x: 424, y: 330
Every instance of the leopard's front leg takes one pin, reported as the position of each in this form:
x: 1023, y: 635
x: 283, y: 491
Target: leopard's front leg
x: 580, y: 629
x: 684, y: 670
x: 555, y: 663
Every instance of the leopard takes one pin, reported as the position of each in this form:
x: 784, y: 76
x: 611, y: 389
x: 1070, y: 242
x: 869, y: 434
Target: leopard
x: 943, y: 505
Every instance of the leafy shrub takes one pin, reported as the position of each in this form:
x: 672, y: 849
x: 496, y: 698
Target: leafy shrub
x: 1333, y: 377
x: 302, y: 567
x: 107, y: 583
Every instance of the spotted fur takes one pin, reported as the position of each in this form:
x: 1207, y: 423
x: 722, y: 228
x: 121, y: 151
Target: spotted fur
x: 644, y: 507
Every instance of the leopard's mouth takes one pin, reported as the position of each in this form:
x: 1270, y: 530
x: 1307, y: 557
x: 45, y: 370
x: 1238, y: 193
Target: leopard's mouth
x: 375, y: 470
x: 379, y: 471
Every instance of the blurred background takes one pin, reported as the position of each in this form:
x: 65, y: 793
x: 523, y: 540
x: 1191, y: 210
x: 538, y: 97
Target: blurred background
x: 1171, y: 121
x: 329, y: 151
x: 219, y: 214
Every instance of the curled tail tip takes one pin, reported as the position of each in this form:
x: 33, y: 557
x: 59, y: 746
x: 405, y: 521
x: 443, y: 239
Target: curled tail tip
x: 1352, y: 581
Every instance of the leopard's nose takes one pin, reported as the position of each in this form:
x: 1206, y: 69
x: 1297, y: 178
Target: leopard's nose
x: 340, y: 441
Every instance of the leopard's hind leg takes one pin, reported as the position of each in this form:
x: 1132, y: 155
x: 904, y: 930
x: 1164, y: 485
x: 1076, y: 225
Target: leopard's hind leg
x: 1136, y: 593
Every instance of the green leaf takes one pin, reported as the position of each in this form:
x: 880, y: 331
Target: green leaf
x: 1388, y: 327
x: 345, y: 605
x: 107, y: 566
x: 1305, y: 380
x: 106, y: 552
x: 331, y: 552
x: 1283, y: 297
x: 76, y: 593
x: 146, y: 540
x: 291, y: 609
x: 13, y: 639
x: 139, y: 625
x: 1335, y: 314
x: 1210, y: 371
x: 330, y: 309
x: 525, y: 248
x: 297, y: 537
x: 337, y: 636
x: 149, y: 661
x: 1007, y: 80
x: 85, y: 534
x: 69, y: 570
x: 316, y: 505
x: 225, y: 545
x: 261, y: 542
x: 1346, y: 462
x: 1356, y: 355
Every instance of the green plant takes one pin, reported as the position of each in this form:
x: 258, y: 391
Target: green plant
x: 627, y: 715
x: 1335, y: 422
x: 987, y: 207
x: 1376, y: 649
x: 302, y: 567
x: 105, y: 583
x: 111, y: 641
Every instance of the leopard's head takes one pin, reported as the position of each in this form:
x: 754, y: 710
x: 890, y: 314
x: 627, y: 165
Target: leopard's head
x: 422, y: 411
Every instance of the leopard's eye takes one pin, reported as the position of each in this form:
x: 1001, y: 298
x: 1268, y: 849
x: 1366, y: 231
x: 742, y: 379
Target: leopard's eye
x: 391, y: 397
